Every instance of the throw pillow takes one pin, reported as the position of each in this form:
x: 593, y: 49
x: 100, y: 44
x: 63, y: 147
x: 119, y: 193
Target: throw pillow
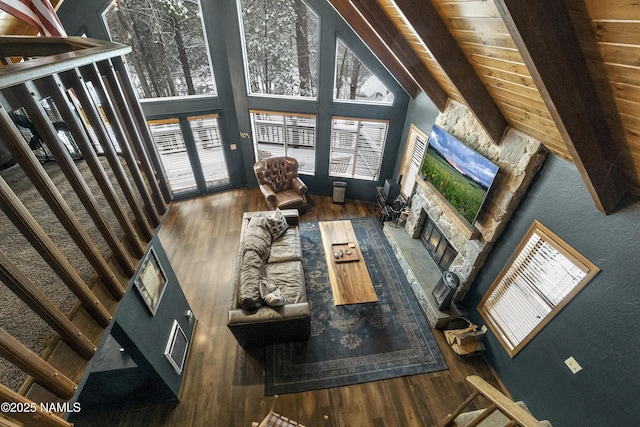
x: 271, y: 294
x: 258, y: 237
x: 251, y: 274
x: 277, y: 224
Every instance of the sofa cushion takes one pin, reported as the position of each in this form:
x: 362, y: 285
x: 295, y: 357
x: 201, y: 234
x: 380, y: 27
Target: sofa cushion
x: 290, y: 199
x: 258, y: 237
x: 287, y: 247
x: 251, y: 275
x: 277, y: 224
x: 289, y: 277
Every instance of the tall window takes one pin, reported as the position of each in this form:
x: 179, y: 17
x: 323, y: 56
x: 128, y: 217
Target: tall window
x: 412, y: 159
x: 169, y: 54
x: 357, y: 146
x: 281, y: 47
x: 208, y: 143
x: 191, y: 165
x: 354, y: 81
x: 283, y: 134
x: 173, y: 153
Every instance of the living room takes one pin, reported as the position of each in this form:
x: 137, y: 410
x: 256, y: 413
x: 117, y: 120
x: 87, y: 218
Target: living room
x: 564, y: 189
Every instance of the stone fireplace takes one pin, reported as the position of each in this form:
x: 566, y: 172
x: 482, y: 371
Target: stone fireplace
x: 519, y: 158
x: 435, y: 242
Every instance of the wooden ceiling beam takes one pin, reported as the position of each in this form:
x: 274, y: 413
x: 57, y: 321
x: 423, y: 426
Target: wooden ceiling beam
x: 398, y: 44
x: 429, y: 26
x: 369, y: 37
x: 545, y: 37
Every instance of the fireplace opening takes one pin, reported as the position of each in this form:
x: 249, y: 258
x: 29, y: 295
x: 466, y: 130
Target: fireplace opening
x: 437, y: 244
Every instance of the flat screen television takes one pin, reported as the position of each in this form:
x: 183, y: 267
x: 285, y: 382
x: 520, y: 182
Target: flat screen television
x: 462, y: 175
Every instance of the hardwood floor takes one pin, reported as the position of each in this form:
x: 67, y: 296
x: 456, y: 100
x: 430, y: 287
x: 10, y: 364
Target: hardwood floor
x: 224, y: 384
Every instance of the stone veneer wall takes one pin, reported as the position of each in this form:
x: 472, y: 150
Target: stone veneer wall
x: 519, y: 158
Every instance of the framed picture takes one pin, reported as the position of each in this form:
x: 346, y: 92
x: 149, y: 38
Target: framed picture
x: 151, y: 281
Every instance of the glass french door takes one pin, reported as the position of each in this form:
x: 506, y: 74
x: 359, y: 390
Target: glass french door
x: 192, y: 152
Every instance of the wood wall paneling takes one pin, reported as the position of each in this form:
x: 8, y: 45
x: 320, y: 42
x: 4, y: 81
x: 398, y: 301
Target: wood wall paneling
x: 614, y: 30
x: 418, y: 47
x: 433, y: 32
x: 377, y: 44
x: 556, y: 62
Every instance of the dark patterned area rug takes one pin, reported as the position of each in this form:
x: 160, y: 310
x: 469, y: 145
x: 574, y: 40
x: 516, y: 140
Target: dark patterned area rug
x: 354, y: 343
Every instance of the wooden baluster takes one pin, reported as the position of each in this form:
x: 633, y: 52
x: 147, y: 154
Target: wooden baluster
x: 143, y: 128
x: 125, y: 109
x: 31, y: 96
x: 43, y: 373
x: 37, y: 417
x: 77, y: 129
x: 107, y: 96
x: 94, y: 117
x: 29, y: 227
x: 20, y: 284
x: 59, y: 206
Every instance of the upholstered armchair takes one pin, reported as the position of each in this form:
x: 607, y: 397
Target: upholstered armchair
x: 279, y: 183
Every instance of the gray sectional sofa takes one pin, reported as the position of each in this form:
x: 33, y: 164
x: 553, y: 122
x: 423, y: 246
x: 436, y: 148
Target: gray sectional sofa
x: 269, y: 271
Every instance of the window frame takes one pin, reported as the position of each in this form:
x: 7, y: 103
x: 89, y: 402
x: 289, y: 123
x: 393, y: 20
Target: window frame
x: 215, y: 93
x: 408, y: 159
x: 517, y: 273
x: 245, y: 60
x: 285, y: 143
x: 335, y: 79
x: 184, y: 135
x: 352, y: 175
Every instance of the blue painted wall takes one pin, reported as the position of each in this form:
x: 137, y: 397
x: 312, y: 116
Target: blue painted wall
x: 597, y: 327
x: 139, y: 373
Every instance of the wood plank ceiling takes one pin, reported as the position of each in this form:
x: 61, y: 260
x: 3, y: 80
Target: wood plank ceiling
x: 514, y: 68
x: 566, y: 73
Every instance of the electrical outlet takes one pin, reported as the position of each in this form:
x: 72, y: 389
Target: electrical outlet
x: 233, y: 146
x: 573, y: 365
x: 484, y: 329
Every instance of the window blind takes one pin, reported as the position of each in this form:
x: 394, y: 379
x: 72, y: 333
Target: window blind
x: 284, y: 134
x: 413, y: 154
x: 356, y: 148
x: 208, y: 140
x: 173, y: 153
x: 541, y: 278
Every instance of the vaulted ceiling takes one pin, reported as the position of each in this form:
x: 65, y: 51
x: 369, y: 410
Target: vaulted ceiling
x: 565, y: 72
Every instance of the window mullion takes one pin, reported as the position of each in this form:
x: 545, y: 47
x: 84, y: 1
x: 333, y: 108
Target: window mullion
x: 355, y: 149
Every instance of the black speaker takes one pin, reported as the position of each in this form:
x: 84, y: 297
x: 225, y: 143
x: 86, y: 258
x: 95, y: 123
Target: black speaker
x: 445, y: 289
x: 391, y: 190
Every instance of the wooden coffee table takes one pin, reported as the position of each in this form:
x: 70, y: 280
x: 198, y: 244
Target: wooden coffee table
x: 349, y: 277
